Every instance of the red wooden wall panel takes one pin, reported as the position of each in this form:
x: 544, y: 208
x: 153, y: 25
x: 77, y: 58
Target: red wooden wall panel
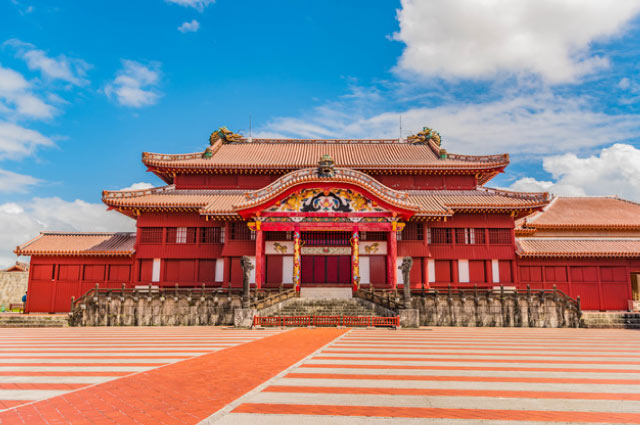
x: 274, y: 270
x: 236, y: 272
x: 378, y: 269
x: 40, y: 296
x: 476, y: 271
x: 146, y: 270
x: 505, y: 271
x: 42, y: 271
x: 207, y: 271
x: 119, y: 273
x: 69, y: 272
x: 94, y: 272
x: 415, y: 278
x: 589, y: 296
x: 443, y: 271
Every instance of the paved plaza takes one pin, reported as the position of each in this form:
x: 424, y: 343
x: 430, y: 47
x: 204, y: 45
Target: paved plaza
x: 207, y: 375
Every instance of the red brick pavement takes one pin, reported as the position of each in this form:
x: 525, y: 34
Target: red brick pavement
x: 181, y: 393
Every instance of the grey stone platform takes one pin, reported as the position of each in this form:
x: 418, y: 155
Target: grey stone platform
x: 326, y: 293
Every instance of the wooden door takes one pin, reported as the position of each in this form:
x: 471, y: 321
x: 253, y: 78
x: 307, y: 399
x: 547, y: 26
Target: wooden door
x: 306, y: 269
x: 319, y: 269
x: 344, y: 269
x: 333, y: 269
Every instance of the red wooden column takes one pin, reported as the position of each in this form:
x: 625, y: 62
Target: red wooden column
x: 260, y: 260
x: 296, y: 259
x: 392, y: 255
x: 355, y: 260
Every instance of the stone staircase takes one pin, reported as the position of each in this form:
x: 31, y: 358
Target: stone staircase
x: 14, y: 320
x: 330, y: 307
x: 610, y: 319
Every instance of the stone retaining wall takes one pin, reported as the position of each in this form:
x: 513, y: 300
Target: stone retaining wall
x: 491, y: 309
x: 156, y: 310
x: 13, y: 285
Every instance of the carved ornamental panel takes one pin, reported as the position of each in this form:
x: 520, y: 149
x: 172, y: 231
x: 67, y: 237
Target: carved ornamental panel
x: 330, y: 201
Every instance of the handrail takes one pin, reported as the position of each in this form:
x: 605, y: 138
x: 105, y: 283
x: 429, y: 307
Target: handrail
x: 348, y: 321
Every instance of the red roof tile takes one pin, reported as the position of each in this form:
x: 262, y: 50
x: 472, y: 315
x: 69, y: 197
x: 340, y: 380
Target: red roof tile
x: 84, y: 244
x: 289, y: 154
x: 578, y: 247
x: 586, y: 212
x: 224, y: 202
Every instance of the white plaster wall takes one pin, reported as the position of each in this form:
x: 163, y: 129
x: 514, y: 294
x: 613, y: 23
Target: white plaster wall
x: 287, y: 269
x: 219, y: 270
x: 365, y: 270
x: 431, y: 268
x: 463, y: 270
x: 495, y: 271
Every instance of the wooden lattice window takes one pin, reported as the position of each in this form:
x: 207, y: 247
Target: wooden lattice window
x: 469, y: 236
x: 326, y: 238
x: 412, y: 232
x: 241, y: 232
x: 374, y: 236
x: 181, y: 235
x: 279, y: 236
x: 210, y: 235
x: 500, y: 236
x: 151, y: 234
x: 440, y: 235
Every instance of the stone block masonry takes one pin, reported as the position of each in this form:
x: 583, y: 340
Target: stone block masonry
x: 13, y: 285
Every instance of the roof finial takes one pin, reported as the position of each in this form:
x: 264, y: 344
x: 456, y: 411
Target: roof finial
x: 326, y: 166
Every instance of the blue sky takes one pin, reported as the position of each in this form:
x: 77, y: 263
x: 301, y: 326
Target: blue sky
x: 85, y: 87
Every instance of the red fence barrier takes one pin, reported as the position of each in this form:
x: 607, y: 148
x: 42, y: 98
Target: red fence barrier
x: 348, y: 321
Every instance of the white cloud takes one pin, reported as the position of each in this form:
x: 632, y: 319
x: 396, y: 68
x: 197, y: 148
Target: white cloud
x: 539, y: 123
x: 135, y: 84
x: 615, y: 170
x: 192, y: 26
x: 17, y: 142
x: 23, y: 221
x: 139, y: 186
x: 62, y: 68
x: 11, y: 182
x: 19, y: 99
x: 199, y: 5
x: 481, y: 39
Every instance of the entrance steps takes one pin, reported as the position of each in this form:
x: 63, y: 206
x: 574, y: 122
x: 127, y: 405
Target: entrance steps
x: 330, y: 307
x: 326, y: 293
x: 16, y: 320
x: 610, y: 319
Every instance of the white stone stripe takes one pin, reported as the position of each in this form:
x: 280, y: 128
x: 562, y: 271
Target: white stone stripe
x: 89, y: 361
x: 465, y: 373
x: 36, y: 356
x: 53, y: 368
x: 497, y: 363
x: 29, y: 394
x: 266, y: 419
x: 617, y: 406
x: 458, y: 385
x: 497, y: 357
x: 43, y: 379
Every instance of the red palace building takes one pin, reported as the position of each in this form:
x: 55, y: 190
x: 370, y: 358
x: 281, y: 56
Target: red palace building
x: 343, y: 212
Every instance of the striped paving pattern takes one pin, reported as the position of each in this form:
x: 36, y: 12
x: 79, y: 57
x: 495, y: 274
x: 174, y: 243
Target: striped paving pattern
x: 462, y: 376
x: 40, y: 363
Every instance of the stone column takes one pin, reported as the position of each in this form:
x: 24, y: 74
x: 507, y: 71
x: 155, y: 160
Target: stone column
x: 296, y: 260
x: 355, y: 260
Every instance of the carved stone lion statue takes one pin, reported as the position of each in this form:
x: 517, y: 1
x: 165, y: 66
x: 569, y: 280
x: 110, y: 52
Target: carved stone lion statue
x: 247, y: 266
x: 405, y: 267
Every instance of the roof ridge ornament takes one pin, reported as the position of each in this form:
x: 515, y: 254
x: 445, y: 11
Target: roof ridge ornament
x: 423, y: 137
x: 326, y: 166
x: 221, y: 136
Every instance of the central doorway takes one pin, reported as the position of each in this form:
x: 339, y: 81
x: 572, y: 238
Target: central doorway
x: 325, y: 269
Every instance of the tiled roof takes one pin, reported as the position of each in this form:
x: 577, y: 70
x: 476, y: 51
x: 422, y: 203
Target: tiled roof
x: 85, y: 244
x: 479, y: 199
x: 578, y: 247
x: 224, y: 202
x: 287, y: 154
x: 213, y: 201
x: 19, y: 266
x: 586, y: 212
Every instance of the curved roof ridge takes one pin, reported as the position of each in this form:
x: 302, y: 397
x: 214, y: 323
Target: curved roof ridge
x: 343, y: 175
